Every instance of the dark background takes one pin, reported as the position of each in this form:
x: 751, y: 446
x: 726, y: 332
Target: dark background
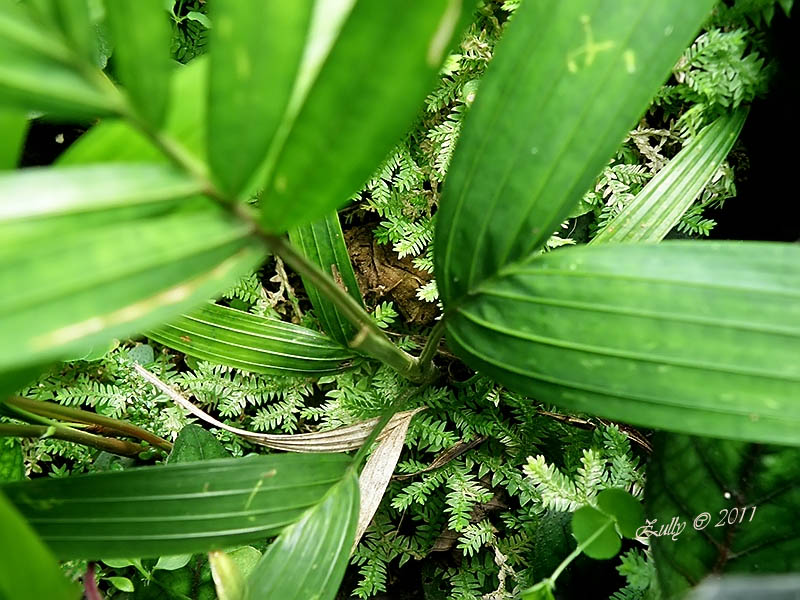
x: 767, y: 196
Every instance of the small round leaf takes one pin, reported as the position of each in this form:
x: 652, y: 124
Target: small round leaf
x: 586, y: 522
x: 626, y: 510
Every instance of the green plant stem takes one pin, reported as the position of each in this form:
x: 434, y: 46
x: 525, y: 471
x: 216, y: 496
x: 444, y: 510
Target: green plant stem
x: 61, y: 432
x: 369, y: 339
x: 432, y: 343
x: 64, y: 413
x: 575, y: 553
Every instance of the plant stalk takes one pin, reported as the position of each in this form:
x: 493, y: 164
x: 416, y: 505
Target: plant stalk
x: 61, y: 432
x: 64, y: 413
x: 432, y: 343
x: 370, y: 339
x: 574, y: 554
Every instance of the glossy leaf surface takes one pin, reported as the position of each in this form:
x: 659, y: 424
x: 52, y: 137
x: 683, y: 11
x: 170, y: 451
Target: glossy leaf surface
x: 566, y: 84
x: 175, y: 509
x: 389, y: 52
x: 738, y: 503
x: 662, y: 336
x: 660, y: 205
x: 259, y: 344
x: 322, y: 242
x: 309, y: 558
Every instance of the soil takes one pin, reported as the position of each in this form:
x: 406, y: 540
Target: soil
x: 381, y: 275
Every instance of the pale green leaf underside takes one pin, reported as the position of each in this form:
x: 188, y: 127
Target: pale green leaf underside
x: 322, y: 242
x: 659, y: 206
x: 566, y: 84
x: 258, y: 344
x: 175, y: 509
x: 695, y: 337
x: 45, y: 192
x: 309, y: 558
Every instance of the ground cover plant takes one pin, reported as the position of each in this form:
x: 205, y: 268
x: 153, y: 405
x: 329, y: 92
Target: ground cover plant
x: 489, y: 412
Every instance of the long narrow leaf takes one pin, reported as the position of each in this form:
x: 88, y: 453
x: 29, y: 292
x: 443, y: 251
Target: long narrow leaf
x: 27, y: 568
x: 322, y: 242
x: 259, y: 344
x: 37, y: 71
x: 388, y: 51
x: 118, y: 141
x: 13, y: 127
x: 175, y: 509
x: 256, y: 49
x: 567, y: 82
x: 309, y: 558
x: 70, y: 18
x: 661, y: 204
x: 141, y: 53
x: 44, y: 192
x: 74, y: 280
x: 341, y: 439
x: 695, y: 337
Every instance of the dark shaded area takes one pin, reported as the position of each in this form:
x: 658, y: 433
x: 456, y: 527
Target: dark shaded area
x: 46, y: 141
x: 763, y: 208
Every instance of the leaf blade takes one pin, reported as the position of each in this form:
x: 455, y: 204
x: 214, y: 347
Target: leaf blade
x: 13, y: 129
x: 175, y: 509
x: 250, y: 74
x: 81, y: 278
x: 334, y: 137
x: 660, y: 336
x: 141, y: 54
x: 688, y: 476
x: 293, y: 568
x: 540, y: 130
x: 27, y: 568
x: 322, y: 242
x: 37, y: 73
x: 659, y: 206
x: 258, y: 344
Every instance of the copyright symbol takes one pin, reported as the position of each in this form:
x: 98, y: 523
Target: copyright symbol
x: 701, y: 520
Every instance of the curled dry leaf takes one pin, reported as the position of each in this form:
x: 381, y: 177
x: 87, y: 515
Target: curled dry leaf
x: 379, y: 468
x: 342, y: 439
